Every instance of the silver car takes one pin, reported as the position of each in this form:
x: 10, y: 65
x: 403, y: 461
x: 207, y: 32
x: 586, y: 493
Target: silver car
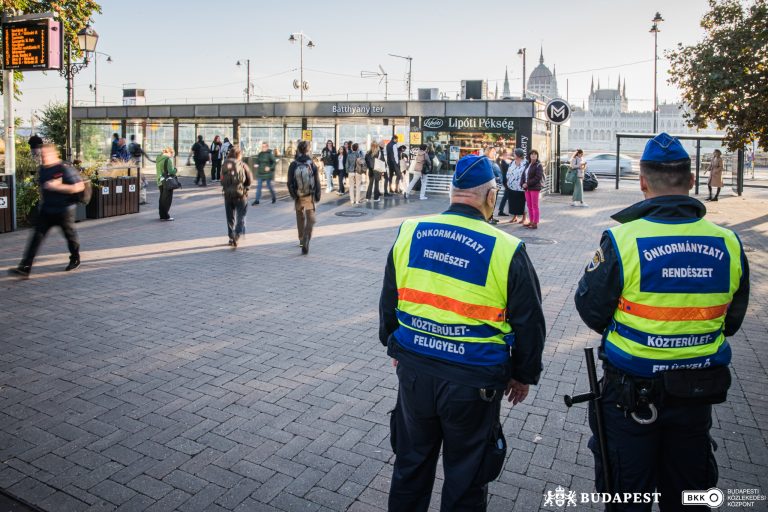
x: 605, y: 164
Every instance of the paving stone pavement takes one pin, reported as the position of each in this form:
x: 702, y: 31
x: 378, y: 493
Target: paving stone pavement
x: 173, y: 373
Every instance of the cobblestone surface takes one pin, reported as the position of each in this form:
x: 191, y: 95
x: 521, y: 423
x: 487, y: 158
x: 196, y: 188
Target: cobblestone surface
x: 173, y: 373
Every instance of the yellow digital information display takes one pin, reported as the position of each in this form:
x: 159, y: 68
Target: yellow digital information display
x: 32, y: 45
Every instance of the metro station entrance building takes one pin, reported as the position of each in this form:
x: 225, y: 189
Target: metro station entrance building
x: 454, y: 128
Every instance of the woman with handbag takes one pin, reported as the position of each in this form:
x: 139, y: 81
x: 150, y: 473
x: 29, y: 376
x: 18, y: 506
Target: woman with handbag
x: 576, y: 176
x: 374, y: 160
x: 167, y: 182
x: 715, y: 171
x: 531, y: 183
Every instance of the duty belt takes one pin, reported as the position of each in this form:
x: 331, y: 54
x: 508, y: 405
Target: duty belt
x: 635, y: 393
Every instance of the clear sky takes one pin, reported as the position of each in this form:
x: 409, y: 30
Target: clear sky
x: 184, y: 51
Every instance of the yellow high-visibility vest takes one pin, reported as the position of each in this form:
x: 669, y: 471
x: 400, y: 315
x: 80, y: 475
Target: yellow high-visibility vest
x: 452, y: 273
x: 678, y: 280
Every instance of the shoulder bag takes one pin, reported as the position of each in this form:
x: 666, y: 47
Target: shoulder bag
x: 170, y: 180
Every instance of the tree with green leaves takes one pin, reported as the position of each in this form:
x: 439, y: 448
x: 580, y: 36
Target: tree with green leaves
x: 73, y: 14
x: 53, y: 124
x: 724, y: 77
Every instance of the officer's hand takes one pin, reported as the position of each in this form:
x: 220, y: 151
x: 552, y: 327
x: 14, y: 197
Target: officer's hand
x: 394, y: 363
x: 516, y: 392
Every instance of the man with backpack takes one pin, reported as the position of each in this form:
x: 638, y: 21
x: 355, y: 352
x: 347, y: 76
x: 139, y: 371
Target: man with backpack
x: 135, y: 151
x: 60, y: 185
x: 304, y: 187
x: 200, y: 154
x: 236, y: 179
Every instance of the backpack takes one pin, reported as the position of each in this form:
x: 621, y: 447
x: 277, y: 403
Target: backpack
x: 134, y: 148
x: 360, y: 165
x: 305, y: 178
x: 233, y: 179
x: 202, y: 152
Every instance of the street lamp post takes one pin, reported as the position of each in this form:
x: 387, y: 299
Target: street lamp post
x: 248, y: 85
x: 95, y: 85
x: 655, y: 31
x: 521, y: 52
x: 87, y: 39
x: 410, y: 62
x: 301, y: 85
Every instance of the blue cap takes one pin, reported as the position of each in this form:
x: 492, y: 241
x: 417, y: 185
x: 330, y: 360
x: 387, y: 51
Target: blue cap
x: 472, y: 171
x: 664, y: 148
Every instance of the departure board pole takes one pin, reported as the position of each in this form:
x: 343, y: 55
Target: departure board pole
x: 10, y: 136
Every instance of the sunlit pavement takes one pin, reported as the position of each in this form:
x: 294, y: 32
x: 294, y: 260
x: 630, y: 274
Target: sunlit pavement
x: 171, y: 372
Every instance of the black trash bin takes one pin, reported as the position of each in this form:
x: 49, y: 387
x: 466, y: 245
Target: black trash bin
x: 6, y: 208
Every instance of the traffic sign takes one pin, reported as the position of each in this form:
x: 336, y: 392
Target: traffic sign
x: 306, y: 135
x: 558, y: 111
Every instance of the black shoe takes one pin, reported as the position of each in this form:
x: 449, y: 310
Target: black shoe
x: 493, y: 221
x: 234, y: 243
x: 169, y: 219
x: 21, y: 272
x: 305, y: 249
x: 230, y: 242
x: 273, y: 200
x: 256, y: 202
x: 387, y: 194
x: 708, y: 199
x: 714, y: 199
x: 501, y: 214
x: 73, y: 264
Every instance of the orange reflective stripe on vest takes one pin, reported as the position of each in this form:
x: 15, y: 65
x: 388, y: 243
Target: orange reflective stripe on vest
x: 476, y: 311
x: 672, y: 314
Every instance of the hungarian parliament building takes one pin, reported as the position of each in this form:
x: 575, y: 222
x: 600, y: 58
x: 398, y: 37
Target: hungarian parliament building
x: 607, y: 113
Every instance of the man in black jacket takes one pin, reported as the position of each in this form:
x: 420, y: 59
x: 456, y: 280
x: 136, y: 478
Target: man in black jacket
x: 58, y: 185
x: 201, y: 153
x: 455, y: 353
x: 393, y: 163
x: 304, y: 187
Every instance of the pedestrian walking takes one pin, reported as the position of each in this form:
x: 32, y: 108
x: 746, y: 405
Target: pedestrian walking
x: 356, y: 169
x: 216, y: 159
x: 504, y: 162
x: 516, y: 193
x: 375, y: 171
x: 265, y: 171
x: 304, y: 187
x: 135, y: 151
x: 35, y: 147
x: 577, y: 168
x: 405, y: 163
x: 531, y: 182
x: 715, y: 170
x: 59, y: 185
x: 490, y: 153
x: 225, y: 147
x: 341, y: 168
x: 121, y: 153
x: 665, y: 289
x: 114, y: 146
x: 164, y: 168
x: 452, y: 316
x: 419, y: 167
x: 235, y: 183
x: 393, y: 176
x: 330, y: 159
x: 201, y: 153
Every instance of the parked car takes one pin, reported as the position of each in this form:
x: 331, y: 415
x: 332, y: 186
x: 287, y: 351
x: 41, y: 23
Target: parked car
x: 605, y: 164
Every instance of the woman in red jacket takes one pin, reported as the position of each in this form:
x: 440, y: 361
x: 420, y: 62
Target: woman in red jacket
x: 532, y: 181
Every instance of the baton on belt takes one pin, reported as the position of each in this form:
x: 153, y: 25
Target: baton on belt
x: 595, y: 396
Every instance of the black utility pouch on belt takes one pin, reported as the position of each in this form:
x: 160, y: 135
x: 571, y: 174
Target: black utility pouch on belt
x: 696, y: 387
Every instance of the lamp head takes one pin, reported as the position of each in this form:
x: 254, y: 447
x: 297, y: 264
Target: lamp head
x: 310, y: 44
x: 657, y: 18
x: 521, y: 51
x: 87, y: 39
x: 654, y: 29
x: 109, y: 59
x: 292, y: 39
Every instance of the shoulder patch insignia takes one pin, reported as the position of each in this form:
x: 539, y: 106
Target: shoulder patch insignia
x: 596, y: 260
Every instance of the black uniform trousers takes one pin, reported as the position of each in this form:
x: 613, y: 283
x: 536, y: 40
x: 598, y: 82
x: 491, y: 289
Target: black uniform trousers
x: 671, y: 455
x: 431, y: 411
x: 45, y: 221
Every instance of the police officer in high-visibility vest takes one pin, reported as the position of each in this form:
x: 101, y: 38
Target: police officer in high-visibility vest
x: 460, y: 314
x: 665, y: 289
